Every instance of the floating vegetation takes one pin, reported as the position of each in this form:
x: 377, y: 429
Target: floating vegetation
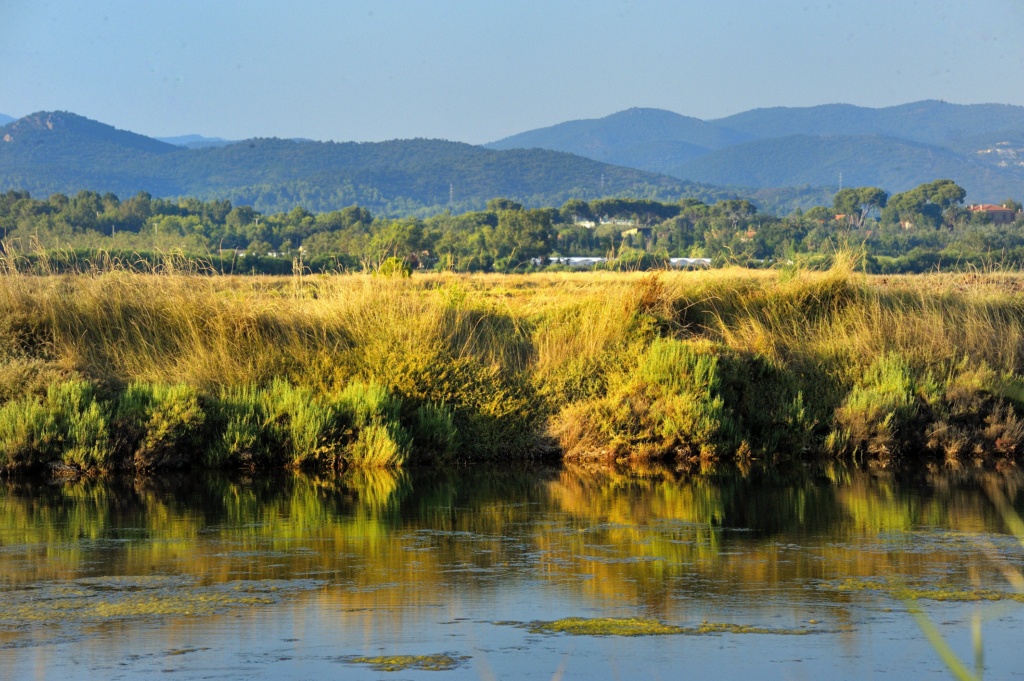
x: 912, y: 593
x: 442, y: 662
x: 125, y: 598
x: 642, y: 626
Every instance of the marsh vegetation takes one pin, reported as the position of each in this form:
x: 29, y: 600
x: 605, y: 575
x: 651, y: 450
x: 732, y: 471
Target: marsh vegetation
x: 104, y: 371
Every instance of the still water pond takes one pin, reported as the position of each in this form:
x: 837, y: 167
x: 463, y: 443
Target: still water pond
x: 468, y: 575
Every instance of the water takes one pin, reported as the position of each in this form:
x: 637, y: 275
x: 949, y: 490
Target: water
x: 292, y: 577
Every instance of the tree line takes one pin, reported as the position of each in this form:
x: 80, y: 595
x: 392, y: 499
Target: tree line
x: 918, y: 230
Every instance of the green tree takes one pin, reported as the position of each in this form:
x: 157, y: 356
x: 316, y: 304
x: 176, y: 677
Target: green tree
x: 520, y: 236
x: 576, y: 210
x: 927, y: 204
x: 495, y: 205
x: 859, y: 202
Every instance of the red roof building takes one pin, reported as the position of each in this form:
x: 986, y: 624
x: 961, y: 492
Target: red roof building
x: 1000, y: 215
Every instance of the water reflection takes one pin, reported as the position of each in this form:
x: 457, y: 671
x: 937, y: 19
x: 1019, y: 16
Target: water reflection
x: 384, y: 548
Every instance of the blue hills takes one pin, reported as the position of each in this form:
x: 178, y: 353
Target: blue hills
x: 980, y: 146
x: 49, y: 152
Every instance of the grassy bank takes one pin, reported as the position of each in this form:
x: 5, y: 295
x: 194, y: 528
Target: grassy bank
x: 117, y: 370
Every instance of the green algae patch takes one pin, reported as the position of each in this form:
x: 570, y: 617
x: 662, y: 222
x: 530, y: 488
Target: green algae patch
x: 606, y: 626
x: 729, y: 628
x: 97, y: 600
x: 397, y: 663
x: 904, y: 592
x: 640, y: 626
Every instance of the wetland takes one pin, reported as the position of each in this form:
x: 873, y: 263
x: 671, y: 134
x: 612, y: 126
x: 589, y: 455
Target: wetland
x: 505, y: 573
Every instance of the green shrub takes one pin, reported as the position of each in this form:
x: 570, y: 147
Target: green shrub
x: 82, y: 425
x: 373, y: 414
x: 308, y: 431
x: 240, y: 439
x: 876, y: 413
x: 395, y: 267
x: 434, y: 433
x: 28, y: 434
x: 162, y: 425
x: 668, y: 404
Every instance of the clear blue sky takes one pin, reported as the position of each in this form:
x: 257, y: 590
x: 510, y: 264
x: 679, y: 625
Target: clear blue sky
x: 479, y: 70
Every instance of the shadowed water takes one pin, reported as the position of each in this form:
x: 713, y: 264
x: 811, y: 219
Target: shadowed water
x: 301, y: 577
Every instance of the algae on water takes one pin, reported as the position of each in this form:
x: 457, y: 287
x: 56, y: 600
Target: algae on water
x: 442, y: 662
x: 641, y: 626
x: 95, y: 600
x: 939, y: 593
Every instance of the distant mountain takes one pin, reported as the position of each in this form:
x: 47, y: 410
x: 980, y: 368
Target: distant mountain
x: 196, y: 141
x: 61, y: 152
x: 5, y: 119
x: 896, y: 165
x: 650, y: 139
x: 931, y: 122
x: 980, y: 146
x: 48, y: 152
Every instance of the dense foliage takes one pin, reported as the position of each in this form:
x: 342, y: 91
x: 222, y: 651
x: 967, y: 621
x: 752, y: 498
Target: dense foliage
x: 919, y: 230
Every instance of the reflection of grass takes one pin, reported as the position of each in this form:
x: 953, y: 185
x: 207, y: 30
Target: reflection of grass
x: 1013, y: 575
x: 640, y: 626
x: 397, y: 663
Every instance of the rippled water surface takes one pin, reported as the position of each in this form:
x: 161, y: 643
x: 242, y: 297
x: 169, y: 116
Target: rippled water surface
x: 304, y: 578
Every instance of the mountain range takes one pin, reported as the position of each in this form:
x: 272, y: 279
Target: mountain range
x: 781, y: 158
x: 980, y: 146
x: 50, y: 152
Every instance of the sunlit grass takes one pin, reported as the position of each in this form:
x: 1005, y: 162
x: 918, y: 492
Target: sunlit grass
x: 700, y: 368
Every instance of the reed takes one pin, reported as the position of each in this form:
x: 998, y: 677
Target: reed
x: 109, y: 368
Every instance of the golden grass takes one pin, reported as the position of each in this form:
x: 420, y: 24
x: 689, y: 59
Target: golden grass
x: 539, y: 346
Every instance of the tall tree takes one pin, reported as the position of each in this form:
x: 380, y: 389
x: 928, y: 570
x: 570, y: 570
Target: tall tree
x: 859, y: 202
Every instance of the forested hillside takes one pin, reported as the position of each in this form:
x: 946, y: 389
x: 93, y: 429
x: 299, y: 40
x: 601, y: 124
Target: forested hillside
x: 64, y: 153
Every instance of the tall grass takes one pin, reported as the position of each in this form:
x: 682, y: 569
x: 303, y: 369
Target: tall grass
x: 696, y: 367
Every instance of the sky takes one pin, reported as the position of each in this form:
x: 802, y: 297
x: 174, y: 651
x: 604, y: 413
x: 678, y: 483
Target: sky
x: 479, y: 70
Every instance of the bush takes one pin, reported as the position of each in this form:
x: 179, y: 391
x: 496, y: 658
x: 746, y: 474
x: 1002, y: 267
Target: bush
x: 395, y: 267
x: 373, y: 413
x: 28, y: 434
x: 434, y: 434
x: 876, y: 414
x: 306, y: 429
x: 241, y: 440
x: 667, y: 406
x: 81, y: 424
x: 161, y: 425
